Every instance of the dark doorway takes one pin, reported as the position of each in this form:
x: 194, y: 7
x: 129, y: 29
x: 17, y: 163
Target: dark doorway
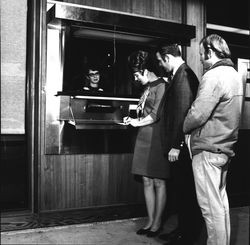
x: 14, y: 173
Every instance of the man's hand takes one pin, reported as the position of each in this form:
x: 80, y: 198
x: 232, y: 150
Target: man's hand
x: 173, y: 155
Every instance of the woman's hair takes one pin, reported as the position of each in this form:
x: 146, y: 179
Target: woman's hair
x: 173, y: 49
x: 217, y: 44
x: 139, y: 61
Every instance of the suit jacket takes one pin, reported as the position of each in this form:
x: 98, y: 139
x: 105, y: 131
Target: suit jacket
x: 178, y: 98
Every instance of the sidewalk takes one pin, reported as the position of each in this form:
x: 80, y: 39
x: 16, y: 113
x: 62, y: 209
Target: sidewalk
x: 102, y: 233
x: 119, y: 232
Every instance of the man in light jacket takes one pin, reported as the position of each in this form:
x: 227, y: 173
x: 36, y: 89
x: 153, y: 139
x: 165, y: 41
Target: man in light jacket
x: 213, y: 122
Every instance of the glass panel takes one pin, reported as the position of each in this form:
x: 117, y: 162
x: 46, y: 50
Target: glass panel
x: 13, y: 66
x: 244, y: 70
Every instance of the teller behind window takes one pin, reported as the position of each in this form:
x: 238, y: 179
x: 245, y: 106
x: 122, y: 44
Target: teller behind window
x: 92, y: 79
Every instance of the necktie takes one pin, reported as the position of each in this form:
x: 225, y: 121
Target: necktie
x: 171, y: 75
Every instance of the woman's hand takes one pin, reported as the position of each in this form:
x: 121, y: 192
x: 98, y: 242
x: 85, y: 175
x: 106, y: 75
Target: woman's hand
x: 126, y: 120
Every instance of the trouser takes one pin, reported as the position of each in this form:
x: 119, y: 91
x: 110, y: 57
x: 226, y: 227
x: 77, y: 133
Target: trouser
x: 210, y: 170
x: 189, y: 215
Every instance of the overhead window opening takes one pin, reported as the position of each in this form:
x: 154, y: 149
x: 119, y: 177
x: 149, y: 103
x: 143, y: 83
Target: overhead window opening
x: 106, y: 53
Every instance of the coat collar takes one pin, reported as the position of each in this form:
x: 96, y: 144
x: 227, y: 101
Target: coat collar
x: 223, y: 62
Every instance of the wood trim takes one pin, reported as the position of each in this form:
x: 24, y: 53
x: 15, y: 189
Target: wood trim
x: 120, y: 21
x: 196, y: 15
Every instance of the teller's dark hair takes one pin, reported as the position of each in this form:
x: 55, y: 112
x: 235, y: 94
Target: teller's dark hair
x: 139, y: 61
x: 91, y: 66
x: 217, y: 44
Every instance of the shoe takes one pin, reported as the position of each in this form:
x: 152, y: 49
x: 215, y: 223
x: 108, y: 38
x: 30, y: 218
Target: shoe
x: 143, y: 231
x: 154, y: 233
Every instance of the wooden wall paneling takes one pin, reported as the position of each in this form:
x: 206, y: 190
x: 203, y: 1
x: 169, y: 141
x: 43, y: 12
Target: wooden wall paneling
x: 171, y: 10
x: 122, y: 186
x: 70, y: 183
x: 116, y: 177
x: 82, y: 162
x: 100, y: 3
x: 77, y: 181
x: 166, y: 9
x: 142, y: 7
x: 82, y: 189
x: 88, y: 176
x: 93, y: 3
x: 196, y: 16
x: 124, y: 189
x: 44, y: 186
x: 59, y: 177
x: 120, y: 5
x: 113, y: 185
x: 100, y: 180
x: 52, y: 183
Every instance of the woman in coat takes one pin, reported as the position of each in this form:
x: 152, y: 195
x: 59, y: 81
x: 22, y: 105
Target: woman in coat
x: 148, y: 159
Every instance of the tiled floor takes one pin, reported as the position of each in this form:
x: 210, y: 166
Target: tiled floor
x: 113, y: 232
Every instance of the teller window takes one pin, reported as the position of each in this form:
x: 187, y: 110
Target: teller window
x: 97, y: 61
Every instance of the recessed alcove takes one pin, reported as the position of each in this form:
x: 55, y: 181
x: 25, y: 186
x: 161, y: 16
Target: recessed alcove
x: 78, y: 35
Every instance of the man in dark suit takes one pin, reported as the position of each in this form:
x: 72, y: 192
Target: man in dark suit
x: 179, y: 96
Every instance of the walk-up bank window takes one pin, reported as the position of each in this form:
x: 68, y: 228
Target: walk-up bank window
x: 89, y: 86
